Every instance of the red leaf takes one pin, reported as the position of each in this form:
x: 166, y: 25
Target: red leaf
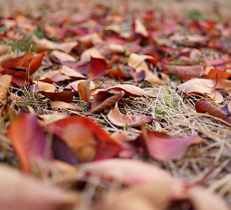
x: 73, y: 130
x: 122, y: 120
x: 205, y: 106
x: 66, y: 96
x: 96, y: 67
x: 29, y: 141
x: 104, y: 100
x: 163, y: 147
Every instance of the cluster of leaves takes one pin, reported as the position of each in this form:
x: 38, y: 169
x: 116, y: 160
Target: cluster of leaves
x: 71, y: 67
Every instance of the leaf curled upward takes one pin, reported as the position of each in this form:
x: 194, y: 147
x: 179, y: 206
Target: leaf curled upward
x: 205, y: 106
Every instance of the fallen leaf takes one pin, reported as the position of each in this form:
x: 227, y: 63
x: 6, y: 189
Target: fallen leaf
x: 90, y: 39
x: 104, y: 100
x: 84, y: 90
x: 64, y: 105
x: 205, y: 106
x: 29, y: 142
x: 107, y: 48
x: 4, y: 48
x: 96, y: 67
x: 87, y: 54
x: 184, y: 71
x: 132, y: 173
x: 138, y: 62
x: 65, y: 96
x: 161, y: 146
x: 145, y: 197
x: 201, y: 86
x: 5, y: 81
x: 217, y: 74
x: 35, y: 194
x: 139, y: 28
x: 116, y: 73
x: 44, y: 44
x: 45, y: 119
x: 203, y: 199
x: 53, y: 76
x: 47, y: 87
x: 95, y: 145
x: 121, y: 120
x: 27, y: 62
x: 71, y: 72
x: 130, y: 90
x: 74, y: 85
x: 61, y: 56
x: 6, y: 57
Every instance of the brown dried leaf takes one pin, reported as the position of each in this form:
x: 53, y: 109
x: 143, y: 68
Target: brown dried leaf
x: 203, y: 199
x: 201, y: 86
x: 35, y: 194
x: 54, y: 76
x: 133, y: 172
x: 104, y: 100
x: 61, y: 56
x: 64, y: 105
x: 47, y: 87
x: 116, y: 73
x: 71, y: 72
x: 139, y: 28
x: 205, y: 106
x: 87, y: 54
x: 121, y: 120
x: 184, y: 71
x: 5, y: 81
x: 44, y: 44
x: 145, y: 197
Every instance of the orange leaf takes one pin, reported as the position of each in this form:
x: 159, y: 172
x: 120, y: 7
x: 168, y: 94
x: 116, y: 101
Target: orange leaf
x: 84, y: 90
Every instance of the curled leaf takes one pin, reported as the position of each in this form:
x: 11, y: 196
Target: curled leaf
x: 122, y: 120
x: 130, y: 90
x: 205, y: 106
x: 104, y: 100
x: 5, y: 81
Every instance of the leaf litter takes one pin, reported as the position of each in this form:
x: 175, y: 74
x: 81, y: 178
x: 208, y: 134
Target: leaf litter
x: 121, y: 111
